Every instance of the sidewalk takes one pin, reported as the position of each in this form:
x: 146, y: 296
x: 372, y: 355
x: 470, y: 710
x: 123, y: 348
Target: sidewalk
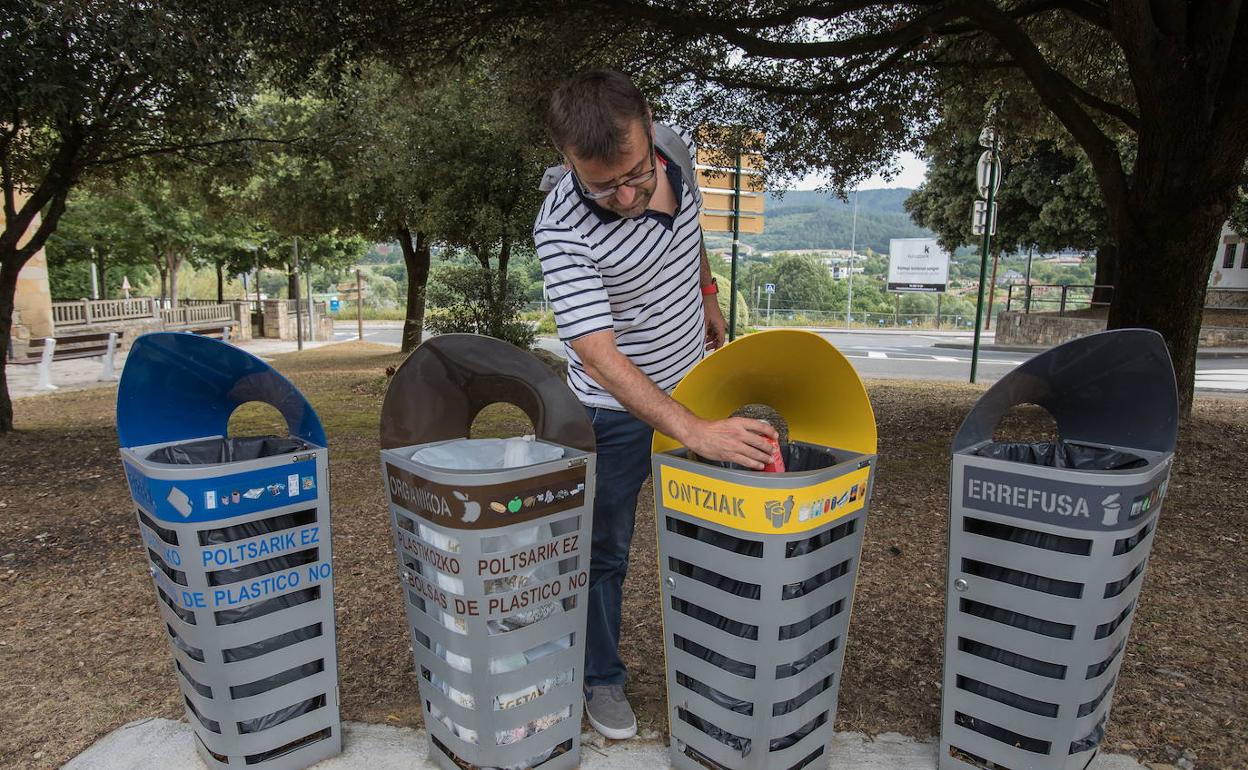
x: 162, y: 744
x: 84, y: 373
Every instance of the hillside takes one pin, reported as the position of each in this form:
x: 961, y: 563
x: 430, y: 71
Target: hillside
x: 806, y: 219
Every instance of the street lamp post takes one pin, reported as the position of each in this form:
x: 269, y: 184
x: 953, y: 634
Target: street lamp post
x: 984, y: 220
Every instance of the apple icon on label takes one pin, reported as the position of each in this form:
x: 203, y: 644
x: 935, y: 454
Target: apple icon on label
x: 472, y: 509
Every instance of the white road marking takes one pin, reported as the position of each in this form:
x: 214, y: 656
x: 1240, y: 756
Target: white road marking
x: 922, y: 359
x: 947, y: 359
x: 876, y: 354
x: 1222, y: 379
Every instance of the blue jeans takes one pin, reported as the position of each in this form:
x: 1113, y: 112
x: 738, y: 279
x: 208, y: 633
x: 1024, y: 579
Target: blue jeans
x: 623, y: 465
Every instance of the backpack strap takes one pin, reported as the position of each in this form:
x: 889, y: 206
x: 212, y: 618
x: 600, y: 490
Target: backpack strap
x: 674, y: 147
x: 665, y: 138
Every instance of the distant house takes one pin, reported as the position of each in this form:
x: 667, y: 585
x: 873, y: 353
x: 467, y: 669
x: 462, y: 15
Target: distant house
x: 1009, y: 277
x: 840, y: 272
x: 1228, y: 280
x: 1066, y: 257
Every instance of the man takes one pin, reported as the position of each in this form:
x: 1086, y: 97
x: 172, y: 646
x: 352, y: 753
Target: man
x: 634, y: 301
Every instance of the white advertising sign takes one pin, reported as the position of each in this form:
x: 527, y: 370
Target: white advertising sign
x: 917, y: 264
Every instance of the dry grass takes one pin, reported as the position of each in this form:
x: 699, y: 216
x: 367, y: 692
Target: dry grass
x: 82, y: 651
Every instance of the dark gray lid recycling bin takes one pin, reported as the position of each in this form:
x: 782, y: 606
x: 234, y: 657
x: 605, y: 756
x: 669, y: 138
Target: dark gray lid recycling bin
x: 492, y: 539
x: 1048, y: 544
x: 237, y: 537
x: 758, y: 569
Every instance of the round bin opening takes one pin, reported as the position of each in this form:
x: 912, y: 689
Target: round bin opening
x: 256, y: 419
x: 1026, y: 423
x: 500, y: 420
x: 1028, y: 434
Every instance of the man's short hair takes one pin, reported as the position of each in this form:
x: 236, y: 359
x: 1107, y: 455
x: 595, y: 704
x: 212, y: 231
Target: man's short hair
x: 591, y: 113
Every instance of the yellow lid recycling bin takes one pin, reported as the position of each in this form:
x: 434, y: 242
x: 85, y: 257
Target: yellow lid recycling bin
x: 758, y: 569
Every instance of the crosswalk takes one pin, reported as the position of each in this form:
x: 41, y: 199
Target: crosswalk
x: 1206, y: 379
x: 1222, y: 379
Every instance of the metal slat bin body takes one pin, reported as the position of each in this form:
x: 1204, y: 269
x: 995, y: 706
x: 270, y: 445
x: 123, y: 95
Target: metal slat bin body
x: 493, y: 559
x: 758, y: 569
x: 237, y: 536
x: 1048, y: 544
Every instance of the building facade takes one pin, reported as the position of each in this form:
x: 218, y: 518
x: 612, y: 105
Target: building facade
x: 1228, y: 280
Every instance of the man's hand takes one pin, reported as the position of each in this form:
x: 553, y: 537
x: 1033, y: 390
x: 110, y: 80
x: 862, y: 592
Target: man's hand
x: 740, y: 440
x: 716, y: 326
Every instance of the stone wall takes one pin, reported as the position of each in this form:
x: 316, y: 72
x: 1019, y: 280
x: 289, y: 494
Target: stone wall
x: 279, y: 321
x: 1227, y: 298
x: 1046, y: 330
x: 1043, y: 329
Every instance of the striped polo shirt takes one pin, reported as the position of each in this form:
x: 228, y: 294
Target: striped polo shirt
x: 637, y: 277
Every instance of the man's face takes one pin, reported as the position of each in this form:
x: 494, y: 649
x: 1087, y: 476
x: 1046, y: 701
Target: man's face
x: 636, y: 157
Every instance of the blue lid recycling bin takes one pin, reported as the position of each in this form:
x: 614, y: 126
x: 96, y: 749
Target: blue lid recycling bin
x: 236, y: 532
x: 1048, y: 544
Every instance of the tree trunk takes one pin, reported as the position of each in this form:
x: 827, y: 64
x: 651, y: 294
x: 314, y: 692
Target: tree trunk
x: 164, y: 282
x: 101, y: 267
x: 292, y: 282
x: 8, y: 290
x: 1162, y: 274
x: 1106, y: 272
x: 504, y: 256
x: 992, y: 288
x: 416, y: 258
x: 173, y: 260
x: 220, y: 282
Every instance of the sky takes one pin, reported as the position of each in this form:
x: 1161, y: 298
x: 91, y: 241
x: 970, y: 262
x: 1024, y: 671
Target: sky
x: 913, y: 170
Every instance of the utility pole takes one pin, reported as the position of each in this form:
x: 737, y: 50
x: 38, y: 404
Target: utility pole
x: 988, y: 178
x: 298, y: 315
x: 307, y: 276
x: 992, y: 290
x: 359, y: 304
x: 736, y: 240
x: 95, y: 281
x: 853, y: 254
x: 1027, y: 281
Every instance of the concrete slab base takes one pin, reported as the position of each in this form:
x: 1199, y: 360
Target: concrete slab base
x: 163, y: 744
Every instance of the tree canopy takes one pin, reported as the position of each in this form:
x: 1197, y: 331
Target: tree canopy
x: 1152, y: 94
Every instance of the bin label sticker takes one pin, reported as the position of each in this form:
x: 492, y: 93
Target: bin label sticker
x: 223, y: 497
x: 531, y: 600
x: 486, y: 506
x: 245, y: 592
x: 1056, y: 501
x: 263, y: 547
x: 494, y: 565
x: 759, y: 509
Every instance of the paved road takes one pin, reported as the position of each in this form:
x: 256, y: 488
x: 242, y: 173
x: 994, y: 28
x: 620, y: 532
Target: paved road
x: 911, y: 357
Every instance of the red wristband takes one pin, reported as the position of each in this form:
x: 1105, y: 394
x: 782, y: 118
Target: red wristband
x: 710, y: 288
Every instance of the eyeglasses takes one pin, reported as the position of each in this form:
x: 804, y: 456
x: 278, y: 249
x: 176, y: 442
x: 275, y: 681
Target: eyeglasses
x: 633, y: 181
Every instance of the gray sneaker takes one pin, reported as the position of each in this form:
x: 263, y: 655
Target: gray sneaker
x: 609, y: 712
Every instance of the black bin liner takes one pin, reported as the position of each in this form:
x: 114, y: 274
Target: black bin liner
x: 1062, y: 454
x: 213, y: 451
x: 281, y: 715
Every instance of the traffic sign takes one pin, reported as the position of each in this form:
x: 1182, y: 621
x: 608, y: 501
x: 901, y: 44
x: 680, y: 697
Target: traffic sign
x: 770, y: 288
x: 979, y: 217
x: 731, y: 184
x: 985, y: 170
